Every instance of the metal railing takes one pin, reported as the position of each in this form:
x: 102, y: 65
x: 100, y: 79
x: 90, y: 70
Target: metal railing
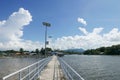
x: 69, y: 72
x: 30, y: 72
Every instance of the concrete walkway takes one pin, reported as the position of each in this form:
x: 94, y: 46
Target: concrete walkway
x: 52, y: 71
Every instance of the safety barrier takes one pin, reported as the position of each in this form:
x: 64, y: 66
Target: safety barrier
x: 30, y: 72
x: 69, y: 72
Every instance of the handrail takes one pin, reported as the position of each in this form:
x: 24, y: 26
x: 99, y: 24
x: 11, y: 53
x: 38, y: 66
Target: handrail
x: 21, y: 70
x: 39, y: 68
x: 67, y: 73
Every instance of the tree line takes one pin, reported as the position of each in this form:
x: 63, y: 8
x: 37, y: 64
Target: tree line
x: 23, y: 52
x: 112, y: 50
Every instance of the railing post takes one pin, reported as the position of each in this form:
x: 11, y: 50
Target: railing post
x: 19, y: 75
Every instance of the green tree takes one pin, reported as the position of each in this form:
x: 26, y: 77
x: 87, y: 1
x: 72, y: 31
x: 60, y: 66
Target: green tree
x: 101, y: 49
x: 42, y: 51
x: 112, y: 50
x: 48, y: 49
x: 37, y: 51
x: 21, y: 50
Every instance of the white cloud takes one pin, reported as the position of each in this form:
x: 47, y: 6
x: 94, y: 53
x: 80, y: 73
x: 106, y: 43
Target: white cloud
x: 90, y: 40
x: 97, y: 30
x: 113, y: 35
x: 11, y: 31
x: 83, y: 30
x: 82, y: 21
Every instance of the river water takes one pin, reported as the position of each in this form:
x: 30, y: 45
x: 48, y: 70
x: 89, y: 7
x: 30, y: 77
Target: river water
x: 92, y: 67
x: 9, y: 65
x: 95, y: 67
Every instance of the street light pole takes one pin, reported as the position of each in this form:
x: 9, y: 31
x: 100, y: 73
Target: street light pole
x: 45, y: 39
x: 46, y: 25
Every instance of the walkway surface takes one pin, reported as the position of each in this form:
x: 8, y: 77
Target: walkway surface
x: 52, y: 71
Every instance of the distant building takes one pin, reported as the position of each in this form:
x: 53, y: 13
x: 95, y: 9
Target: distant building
x: 101, y: 53
x: 17, y: 53
x: 32, y: 54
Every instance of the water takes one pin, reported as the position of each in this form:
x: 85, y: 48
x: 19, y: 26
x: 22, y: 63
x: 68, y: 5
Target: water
x: 95, y: 67
x: 9, y: 65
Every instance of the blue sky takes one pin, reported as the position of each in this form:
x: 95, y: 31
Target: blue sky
x: 66, y: 31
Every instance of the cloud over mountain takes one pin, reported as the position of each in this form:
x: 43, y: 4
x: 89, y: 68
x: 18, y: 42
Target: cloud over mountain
x: 90, y: 40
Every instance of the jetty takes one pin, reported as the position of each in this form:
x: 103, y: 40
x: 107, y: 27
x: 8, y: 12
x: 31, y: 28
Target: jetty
x: 52, y: 71
x: 50, y: 68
